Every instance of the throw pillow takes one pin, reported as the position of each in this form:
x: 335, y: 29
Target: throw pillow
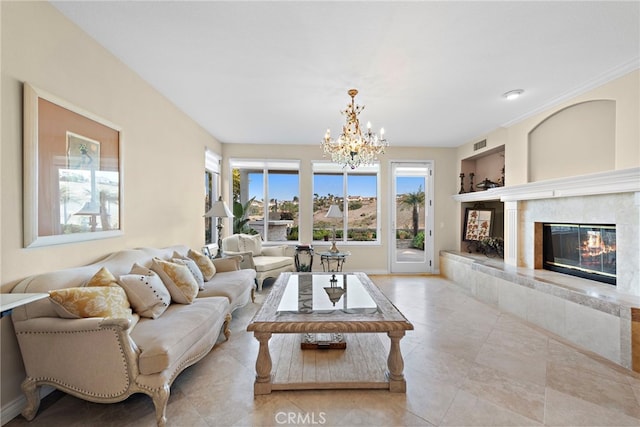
x: 178, y: 280
x: 204, y: 264
x: 253, y: 244
x: 192, y: 266
x: 102, y: 278
x: 147, y: 294
x: 96, y: 301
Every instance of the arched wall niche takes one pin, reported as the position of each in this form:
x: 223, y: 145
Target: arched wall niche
x: 576, y: 140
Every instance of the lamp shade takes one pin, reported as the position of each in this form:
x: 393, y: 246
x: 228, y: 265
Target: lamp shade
x: 334, y: 212
x: 219, y: 209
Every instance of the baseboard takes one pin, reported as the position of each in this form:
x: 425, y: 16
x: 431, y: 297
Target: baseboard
x: 15, y: 407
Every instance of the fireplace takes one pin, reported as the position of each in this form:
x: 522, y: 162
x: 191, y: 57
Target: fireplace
x: 582, y: 250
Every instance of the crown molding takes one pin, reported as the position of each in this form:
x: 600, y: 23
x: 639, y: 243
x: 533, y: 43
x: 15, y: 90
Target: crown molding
x: 598, y: 81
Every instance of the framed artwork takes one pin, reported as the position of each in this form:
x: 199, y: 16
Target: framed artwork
x: 477, y: 224
x: 73, y: 183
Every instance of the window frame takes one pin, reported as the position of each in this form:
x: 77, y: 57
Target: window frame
x: 212, y: 165
x: 267, y: 166
x: 326, y: 167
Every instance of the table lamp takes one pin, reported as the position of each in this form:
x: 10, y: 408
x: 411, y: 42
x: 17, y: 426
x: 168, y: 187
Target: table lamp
x: 219, y: 209
x: 334, y: 212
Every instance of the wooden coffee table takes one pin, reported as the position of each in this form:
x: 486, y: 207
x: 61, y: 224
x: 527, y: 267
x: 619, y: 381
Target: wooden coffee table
x: 302, y: 303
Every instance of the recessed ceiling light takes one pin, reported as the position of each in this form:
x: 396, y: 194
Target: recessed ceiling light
x: 513, y: 94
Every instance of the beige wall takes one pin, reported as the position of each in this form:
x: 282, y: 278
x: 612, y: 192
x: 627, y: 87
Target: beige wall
x: 367, y: 258
x: 163, y: 151
x: 558, y: 148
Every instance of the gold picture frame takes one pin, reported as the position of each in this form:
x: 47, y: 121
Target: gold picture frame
x: 73, y: 186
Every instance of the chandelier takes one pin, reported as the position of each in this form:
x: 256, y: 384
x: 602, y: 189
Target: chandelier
x: 352, y: 148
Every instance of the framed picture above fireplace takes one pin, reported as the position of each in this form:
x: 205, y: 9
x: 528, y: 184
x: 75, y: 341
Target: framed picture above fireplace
x: 478, y: 223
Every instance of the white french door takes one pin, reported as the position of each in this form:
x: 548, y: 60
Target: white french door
x: 411, y: 231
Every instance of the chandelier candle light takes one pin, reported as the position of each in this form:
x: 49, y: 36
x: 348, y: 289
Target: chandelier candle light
x: 352, y: 147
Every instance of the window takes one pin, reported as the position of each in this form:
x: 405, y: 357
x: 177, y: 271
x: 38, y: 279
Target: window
x: 267, y: 192
x: 360, y: 206
x: 211, y: 193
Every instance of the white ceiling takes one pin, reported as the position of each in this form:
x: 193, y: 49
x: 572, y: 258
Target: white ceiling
x: 430, y: 73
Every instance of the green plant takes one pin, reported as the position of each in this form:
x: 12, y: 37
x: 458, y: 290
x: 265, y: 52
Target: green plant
x: 402, y: 234
x: 355, y: 205
x: 492, y: 245
x: 418, y: 241
x: 240, y: 220
x: 292, y: 234
x: 414, y: 200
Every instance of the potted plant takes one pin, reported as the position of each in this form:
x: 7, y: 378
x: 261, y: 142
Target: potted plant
x: 493, y: 246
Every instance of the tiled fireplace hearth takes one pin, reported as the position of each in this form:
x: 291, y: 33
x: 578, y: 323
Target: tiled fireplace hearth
x: 598, y: 316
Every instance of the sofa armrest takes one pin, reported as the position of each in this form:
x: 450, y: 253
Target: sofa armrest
x: 280, y: 250
x: 230, y: 263
x: 246, y: 258
x: 74, y: 354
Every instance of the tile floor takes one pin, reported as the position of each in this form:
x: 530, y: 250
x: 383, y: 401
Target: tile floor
x: 466, y: 364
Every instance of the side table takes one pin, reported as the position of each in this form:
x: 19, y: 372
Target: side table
x: 336, y: 258
x: 10, y: 301
x: 304, y: 258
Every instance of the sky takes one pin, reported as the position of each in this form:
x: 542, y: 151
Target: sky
x: 285, y: 186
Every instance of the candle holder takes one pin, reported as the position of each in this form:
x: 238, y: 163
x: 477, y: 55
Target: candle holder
x: 461, y: 184
x: 471, y: 175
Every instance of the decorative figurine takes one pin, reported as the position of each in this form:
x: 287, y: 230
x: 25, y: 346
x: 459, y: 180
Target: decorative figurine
x: 471, y: 175
x: 486, y: 184
x: 461, y: 184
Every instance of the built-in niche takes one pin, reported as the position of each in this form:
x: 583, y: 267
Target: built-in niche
x: 484, y: 170
x: 491, y: 211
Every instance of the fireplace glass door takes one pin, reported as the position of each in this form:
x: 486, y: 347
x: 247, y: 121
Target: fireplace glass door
x: 583, y: 250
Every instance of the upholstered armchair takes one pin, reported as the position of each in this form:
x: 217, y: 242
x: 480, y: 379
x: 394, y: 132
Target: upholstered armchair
x: 266, y: 261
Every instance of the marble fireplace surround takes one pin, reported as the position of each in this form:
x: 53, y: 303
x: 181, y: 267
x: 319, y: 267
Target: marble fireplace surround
x: 600, y: 317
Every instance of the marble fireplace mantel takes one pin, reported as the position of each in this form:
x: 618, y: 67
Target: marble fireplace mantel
x: 602, y: 197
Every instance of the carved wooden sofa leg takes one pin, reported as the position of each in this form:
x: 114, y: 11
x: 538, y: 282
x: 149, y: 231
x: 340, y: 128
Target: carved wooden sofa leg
x: 253, y: 295
x: 160, y: 399
x: 31, y: 391
x: 226, y: 330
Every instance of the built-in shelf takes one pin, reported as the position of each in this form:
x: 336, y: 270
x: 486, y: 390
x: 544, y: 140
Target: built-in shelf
x: 617, y: 181
x: 486, y: 165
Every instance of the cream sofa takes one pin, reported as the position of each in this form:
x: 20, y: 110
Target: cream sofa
x: 266, y: 261
x: 106, y: 359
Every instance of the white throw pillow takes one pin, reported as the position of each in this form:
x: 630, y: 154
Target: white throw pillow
x: 253, y: 244
x: 147, y: 294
